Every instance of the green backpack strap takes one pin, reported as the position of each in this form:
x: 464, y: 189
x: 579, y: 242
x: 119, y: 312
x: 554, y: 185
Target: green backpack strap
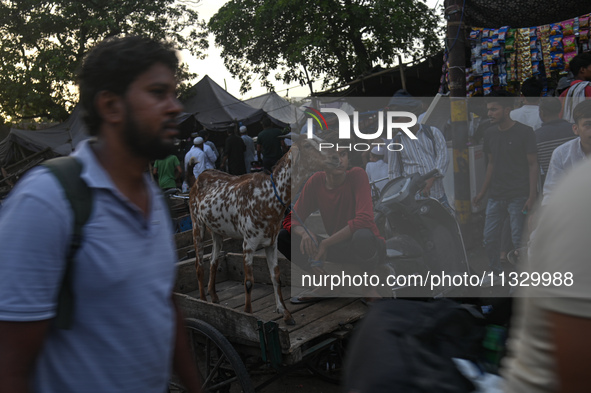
x: 67, y: 170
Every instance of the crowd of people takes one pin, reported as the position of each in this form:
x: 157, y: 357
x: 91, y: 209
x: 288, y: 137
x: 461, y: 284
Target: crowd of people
x: 128, y: 91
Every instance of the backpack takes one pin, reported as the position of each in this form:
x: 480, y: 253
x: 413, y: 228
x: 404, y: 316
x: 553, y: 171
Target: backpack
x: 428, y: 131
x: 67, y: 170
x: 407, y: 346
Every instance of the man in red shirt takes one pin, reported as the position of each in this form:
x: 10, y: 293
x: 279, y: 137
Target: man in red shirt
x: 580, y: 88
x: 343, y: 198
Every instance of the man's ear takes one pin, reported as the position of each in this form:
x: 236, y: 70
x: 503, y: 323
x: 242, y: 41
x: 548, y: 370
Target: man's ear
x: 110, y: 106
x: 576, y: 129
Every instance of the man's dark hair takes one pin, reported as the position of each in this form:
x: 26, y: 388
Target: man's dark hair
x: 503, y: 97
x: 579, y: 61
x: 113, y: 65
x: 551, y: 106
x: 531, y: 88
x: 266, y: 122
x: 582, y: 111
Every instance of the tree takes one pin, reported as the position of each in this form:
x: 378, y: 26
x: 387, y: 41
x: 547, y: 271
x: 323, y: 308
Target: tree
x: 44, y: 42
x: 332, y: 40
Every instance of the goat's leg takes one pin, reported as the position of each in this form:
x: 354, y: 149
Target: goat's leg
x: 215, y: 256
x: 248, y: 277
x: 271, y: 253
x: 198, y: 232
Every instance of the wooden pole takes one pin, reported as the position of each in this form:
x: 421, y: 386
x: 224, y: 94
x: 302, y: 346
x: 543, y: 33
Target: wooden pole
x: 459, y: 114
x: 402, y: 77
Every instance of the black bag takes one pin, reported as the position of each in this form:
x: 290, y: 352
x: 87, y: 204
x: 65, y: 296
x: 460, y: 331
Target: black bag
x: 407, y: 346
x: 67, y: 170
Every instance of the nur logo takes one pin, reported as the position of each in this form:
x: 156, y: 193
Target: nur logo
x: 395, y: 120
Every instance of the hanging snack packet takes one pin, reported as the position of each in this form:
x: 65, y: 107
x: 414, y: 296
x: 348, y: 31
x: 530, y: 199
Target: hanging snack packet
x: 533, y: 43
x: 510, y: 44
x: 567, y: 27
x: 535, y: 67
x: 477, y: 67
x: 475, y: 34
x: 555, y: 29
x: 532, y: 32
x: 503, y: 33
x: 557, y: 62
x: 487, y: 89
x: 584, y: 35
x: 486, y: 33
x: 569, y: 44
x: 536, y: 55
x: 567, y: 59
x: 556, y: 43
x: 503, y: 79
x: 476, y: 52
x: 487, y: 79
x: 584, y: 22
x: 496, y: 52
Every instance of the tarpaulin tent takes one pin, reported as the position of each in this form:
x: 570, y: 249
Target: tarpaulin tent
x: 61, y: 139
x: 216, y: 109
x: 521, y: 13
x: 278, y: 108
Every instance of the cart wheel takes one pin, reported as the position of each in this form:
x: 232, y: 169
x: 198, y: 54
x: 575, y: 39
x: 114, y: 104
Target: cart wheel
x: 218, y: 362
x: 328, y: 363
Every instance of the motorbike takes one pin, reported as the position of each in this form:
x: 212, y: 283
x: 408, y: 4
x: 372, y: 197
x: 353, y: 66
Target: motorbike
x: 422, y: 237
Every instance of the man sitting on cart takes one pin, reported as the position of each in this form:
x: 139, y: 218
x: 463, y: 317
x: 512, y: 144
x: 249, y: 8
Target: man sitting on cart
x: 343, y: 198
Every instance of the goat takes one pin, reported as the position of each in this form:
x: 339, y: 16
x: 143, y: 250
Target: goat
x: 250, y: 207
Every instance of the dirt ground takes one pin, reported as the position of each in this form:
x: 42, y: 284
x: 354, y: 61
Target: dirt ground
x: 301, y: 381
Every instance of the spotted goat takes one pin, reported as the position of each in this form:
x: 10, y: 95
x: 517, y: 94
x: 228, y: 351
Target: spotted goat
x: 247, y: 207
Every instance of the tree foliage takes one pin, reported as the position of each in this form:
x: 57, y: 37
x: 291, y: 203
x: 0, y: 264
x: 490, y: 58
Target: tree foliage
x: 332, y: 40
x: 44, y: 42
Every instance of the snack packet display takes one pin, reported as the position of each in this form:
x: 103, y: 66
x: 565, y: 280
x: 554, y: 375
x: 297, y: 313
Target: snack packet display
x: 555, y: 29
x: 569, y: 44
x: 556, y: 43
x: 557, y: 61
x: 567, y: 59
x: 503, y: 33
x: 567, y: 27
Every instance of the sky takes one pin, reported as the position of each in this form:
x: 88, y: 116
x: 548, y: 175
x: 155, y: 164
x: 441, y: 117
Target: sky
x: 214, y: 67
x: 213, y: 64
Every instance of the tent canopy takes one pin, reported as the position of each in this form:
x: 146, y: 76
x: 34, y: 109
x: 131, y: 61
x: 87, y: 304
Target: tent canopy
x: 62, y: 139
x: 216, y: 109
x: 278, y: 108
x: 521, y: 13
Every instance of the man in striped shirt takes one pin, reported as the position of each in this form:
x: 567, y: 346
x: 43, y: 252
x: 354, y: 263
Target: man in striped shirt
x: 553, y: 133
x: 427, y: 152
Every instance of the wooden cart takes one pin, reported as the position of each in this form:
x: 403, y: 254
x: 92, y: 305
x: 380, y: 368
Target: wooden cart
x: 231, y: 345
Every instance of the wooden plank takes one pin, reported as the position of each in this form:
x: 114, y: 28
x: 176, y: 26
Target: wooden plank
x: 260, y: 268
x: 183, y: 239
x: 236, y: 290
x: 186, y: 280
x: 317, y: 311
x: 233, y: 324
x: 221, y: 287
x: 269, y: 313
x: 327, y: 324
x: 258, y: 291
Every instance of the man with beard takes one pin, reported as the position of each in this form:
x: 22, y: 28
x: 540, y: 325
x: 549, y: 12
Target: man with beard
x: 126, y: 332
x: 511, y: 175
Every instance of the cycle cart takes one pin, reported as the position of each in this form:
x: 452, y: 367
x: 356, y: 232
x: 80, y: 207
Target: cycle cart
x: 230, y: 345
